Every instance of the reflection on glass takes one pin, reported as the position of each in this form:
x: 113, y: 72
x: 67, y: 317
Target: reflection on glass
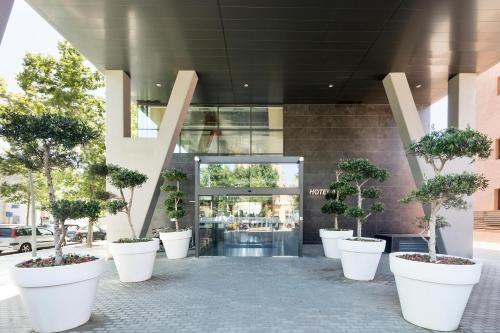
x: 199, y: 142
x: 264, y: 117
x: 267, y: 142
x: 201, y: 117
x: 234, y: 142
x: 265, y: 225
x: 148, y: 120
x: 234, y: 117
x: 249, y: 175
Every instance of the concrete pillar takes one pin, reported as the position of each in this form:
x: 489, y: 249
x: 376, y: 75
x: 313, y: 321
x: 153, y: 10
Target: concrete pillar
x: 147, y: 155
x: 5, y: 9
x: 458, y: 236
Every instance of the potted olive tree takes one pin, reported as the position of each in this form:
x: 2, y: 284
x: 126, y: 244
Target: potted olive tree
x: 134, y: 257
x: 360, y: 255
x: 176, y: 241
x: 335, y: 206
x: 434, y: 289
x: 58, y: 292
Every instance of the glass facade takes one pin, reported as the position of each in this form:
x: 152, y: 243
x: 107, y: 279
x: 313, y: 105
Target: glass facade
x: 221, y: 130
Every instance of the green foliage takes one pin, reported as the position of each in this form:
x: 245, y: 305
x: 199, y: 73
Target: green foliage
x: 360, y: 169
x: 334, y: 207
x: 254, y: 175
x: 92, y: 210
x: 450, y: 190
x: 123, y: 178
x: 451, y: 143
x: 116, y: 206
x: 371, y: 193
x: 355, y: 212
x: 174, y: 203
x: 377, y: 207
x: 63, y: 210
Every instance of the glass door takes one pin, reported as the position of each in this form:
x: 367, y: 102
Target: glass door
x: 248, y: 209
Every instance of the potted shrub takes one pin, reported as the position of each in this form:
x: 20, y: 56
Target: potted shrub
x: 58, y: 292
x: 335, y: 205
x: 175, y: 241
x: 434, y: 289
x: 134, y: 257
x: 360, y: 255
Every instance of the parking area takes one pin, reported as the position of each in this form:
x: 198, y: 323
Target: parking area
x: 223, y: 294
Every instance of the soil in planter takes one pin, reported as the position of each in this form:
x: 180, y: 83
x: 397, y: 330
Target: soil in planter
x: 68, y: 259
x: 133, y: 240
x: 358, y: 239
x: 439, y: 260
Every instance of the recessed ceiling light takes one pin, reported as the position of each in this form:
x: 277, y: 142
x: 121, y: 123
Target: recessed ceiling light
x: 245, y: 85
x: 158, y: 85
x: 418, y: 86
x: 330, y: 85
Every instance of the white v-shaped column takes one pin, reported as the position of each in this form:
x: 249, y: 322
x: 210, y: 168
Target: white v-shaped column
x: 147, y: 155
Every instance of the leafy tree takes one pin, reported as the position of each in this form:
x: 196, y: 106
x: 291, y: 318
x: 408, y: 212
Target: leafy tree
x: 358, y: 172
x: 446, y: 191
x: 63, y: 210
x: 335, y: 199
x: 174, y: 205
x: 45, y: 142
x: 216, y: 175
x: 122, y: 179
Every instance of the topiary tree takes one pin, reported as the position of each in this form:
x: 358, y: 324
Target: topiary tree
x: 122, y: 179
x: 335, y: 199
x: 174, y: 205
x: 63, y: 210
x: 44, y: 143
x: 358, y: 172
x: 92, y: 211
x: 446, y: 191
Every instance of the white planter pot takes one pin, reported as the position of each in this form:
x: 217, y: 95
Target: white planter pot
x: 330, y: 238
x: 433, y: 296
x: 360, y: 259
x: 176, y: 243
x: 134, y: 261
x: 58, y: 298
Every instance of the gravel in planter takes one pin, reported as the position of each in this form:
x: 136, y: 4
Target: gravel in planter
x: 133, y: 240
x: 358, y: 239
x: 68, y: 259
x: 440, y: 259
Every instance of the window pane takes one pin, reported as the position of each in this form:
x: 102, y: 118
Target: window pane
x: 234, y: 142
x: 201, y: 117
x: 267, y: 142
x: 234, y: 117
x: 199, y: 142
x: 267, y: 117
x: 148, y: 120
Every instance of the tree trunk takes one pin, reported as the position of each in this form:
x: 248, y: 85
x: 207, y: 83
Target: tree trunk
x: 360, y: 206
x: 432, y: 233
x: 335, y: 221
x: 176, y: 205
x: 52, y: 199
x: 28, y: 206
x: 128, y: 209
x: 90, y: 233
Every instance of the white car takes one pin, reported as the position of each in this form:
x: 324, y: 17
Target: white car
x: 18, y: 238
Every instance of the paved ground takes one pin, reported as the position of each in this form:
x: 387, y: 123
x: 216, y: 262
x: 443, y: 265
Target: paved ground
x: 218, y: 294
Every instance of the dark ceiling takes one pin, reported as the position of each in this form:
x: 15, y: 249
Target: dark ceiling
x: 287, y: 51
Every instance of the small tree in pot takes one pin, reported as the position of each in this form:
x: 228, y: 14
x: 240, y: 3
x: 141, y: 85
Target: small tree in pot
x: 176, y: 242
x: 444, y: 282
x: 335, y: 205
x: 360, y: 256
x: 134, y: 257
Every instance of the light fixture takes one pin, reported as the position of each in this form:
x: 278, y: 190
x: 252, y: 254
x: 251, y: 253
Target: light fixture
x: 245, y: 85
x: 158, y: 85
x: 418, y: 86
x: 330, y: 85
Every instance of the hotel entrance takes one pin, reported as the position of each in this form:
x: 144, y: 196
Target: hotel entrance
x: 248, y: 206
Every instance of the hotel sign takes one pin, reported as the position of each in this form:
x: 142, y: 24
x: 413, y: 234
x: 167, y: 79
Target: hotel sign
x: 315, y: 192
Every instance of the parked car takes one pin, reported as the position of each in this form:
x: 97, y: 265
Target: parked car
x: 79, y: 234
x: 18, y: 238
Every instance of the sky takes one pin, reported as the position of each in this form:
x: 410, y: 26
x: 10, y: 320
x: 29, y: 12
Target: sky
x: 28, y: 32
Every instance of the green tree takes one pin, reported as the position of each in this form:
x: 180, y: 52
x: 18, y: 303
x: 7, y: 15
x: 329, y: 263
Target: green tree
x: 123, y: 179
x: 335, y: 199
x: 174, y: 203
x: 358, y: 172
x: 43, y: 143
x: 446, y: 191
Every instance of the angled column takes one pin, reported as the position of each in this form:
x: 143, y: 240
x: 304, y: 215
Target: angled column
x: 5, y: 9
x: 458, y: 236
x: 147, y: 155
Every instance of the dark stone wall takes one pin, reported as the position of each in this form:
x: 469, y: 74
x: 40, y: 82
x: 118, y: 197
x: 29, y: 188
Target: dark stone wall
x: 323, y: 134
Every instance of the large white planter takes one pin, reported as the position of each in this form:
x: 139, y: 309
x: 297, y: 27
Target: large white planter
x: 433, y: 296
x: 360, y: 259
x: 330, y: 238
x: 58, y: 298
x: 134, y: 261
x: 176, y: 243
